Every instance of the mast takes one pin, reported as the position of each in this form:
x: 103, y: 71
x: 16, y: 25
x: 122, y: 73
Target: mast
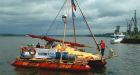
x: 73, y: 22
x: 64, y: 18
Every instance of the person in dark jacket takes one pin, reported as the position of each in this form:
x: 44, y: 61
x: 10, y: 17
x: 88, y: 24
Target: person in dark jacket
x: 38, y: 45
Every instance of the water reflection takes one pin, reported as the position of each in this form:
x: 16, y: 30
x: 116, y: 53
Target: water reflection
x: 32, y: 71
x: 99, y: 70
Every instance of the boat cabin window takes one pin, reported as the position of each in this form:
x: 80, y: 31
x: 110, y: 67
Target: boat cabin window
x: 42, y: 53
x: 117, y: 37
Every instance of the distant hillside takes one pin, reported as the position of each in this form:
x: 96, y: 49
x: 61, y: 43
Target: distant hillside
x: 81, y: 35
x: 12, y: 34
x: 103, y: 35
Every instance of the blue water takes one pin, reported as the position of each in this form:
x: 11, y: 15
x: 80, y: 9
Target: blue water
x: 127, y: 62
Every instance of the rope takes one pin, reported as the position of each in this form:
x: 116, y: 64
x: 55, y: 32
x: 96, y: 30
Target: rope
x: 112, y: 53
x: 88, y: 26
x: 50, y: 26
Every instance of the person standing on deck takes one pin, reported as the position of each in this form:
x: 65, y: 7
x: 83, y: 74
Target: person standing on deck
x: 102, y: 45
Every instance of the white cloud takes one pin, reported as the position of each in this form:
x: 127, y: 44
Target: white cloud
x: 38, y: 14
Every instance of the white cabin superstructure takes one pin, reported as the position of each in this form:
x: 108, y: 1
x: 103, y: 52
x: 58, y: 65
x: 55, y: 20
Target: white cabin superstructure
x: 117, y: 38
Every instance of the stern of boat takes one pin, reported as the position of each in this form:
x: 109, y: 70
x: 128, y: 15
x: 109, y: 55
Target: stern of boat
x: 96, y: 63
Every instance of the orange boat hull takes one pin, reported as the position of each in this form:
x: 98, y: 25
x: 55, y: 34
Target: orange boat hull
x: 52, y: 66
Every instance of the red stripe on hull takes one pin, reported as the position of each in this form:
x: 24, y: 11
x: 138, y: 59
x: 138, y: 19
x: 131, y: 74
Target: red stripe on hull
x: 54, y: 66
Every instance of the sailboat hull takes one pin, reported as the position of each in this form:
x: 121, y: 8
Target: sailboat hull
x: 133, y: 41
x: 96, y: 63
x: 52, y: 66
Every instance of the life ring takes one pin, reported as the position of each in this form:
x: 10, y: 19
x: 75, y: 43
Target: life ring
x: 32, y: 51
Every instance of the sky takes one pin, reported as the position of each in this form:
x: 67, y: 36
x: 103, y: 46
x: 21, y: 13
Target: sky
x: 36, y: 16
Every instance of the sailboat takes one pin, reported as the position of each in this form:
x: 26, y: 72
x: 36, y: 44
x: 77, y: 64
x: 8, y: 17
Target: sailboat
x: 60, y: 54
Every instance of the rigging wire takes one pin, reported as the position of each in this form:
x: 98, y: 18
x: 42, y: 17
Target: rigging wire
x: 50, y: 26
x: 88, y: 26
